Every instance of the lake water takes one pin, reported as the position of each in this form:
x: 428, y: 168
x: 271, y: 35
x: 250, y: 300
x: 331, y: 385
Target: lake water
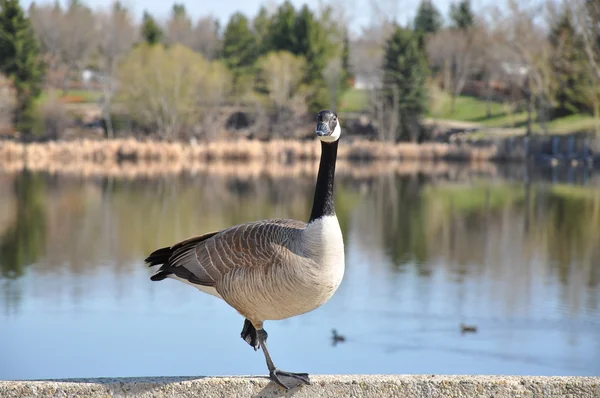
x: 425, y: 253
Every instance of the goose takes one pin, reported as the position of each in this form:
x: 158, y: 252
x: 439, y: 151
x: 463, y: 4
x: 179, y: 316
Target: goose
x: 464, y: 328
x: 269, y: 269
x: 336, y: 337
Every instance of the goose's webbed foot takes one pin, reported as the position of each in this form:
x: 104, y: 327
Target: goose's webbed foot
x: 285, y: 379
x: 258, y: 339
x: 288, y: 380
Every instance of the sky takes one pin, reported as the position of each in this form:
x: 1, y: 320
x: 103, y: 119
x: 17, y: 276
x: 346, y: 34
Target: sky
x: 358, y: 10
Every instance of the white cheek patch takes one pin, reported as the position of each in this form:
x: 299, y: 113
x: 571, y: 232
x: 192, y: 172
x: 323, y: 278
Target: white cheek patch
x: 334, y: 136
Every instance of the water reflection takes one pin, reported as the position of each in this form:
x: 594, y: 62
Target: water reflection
x: 424, y: 253
x: 519, y: 234
x: 24, y: 231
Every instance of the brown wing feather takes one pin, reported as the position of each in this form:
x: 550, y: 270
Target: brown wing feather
x: 164, y: 255
x: 204, y: 260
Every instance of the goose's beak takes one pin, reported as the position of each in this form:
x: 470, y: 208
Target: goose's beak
x: 322, y: 129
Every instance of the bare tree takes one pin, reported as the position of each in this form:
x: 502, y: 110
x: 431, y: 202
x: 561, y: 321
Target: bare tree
x: 78, y: 38
x: 336, y: 16
x: 587, y: 15
x: 282, y: 74
x: 384, y: 12
x: 452, y: 51
x: 526, y: 43
x: 332, y: 75
x: 214, y: 91
x: 206, y: 37
x: 171, y: 89
x: 366, y: 60
x: 367, y: 63
x: 202, y: 37
x: 179, y: 27
x: 385, y: 113
x: 487, y: 55
x: 46, y: 21
x: 115, y: 39
x: 368, y: 48
x: 8, y: 103
x: 366, y: 57
x: 342, y: 12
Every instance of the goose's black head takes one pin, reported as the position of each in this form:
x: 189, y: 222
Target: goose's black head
x: 328, y: 126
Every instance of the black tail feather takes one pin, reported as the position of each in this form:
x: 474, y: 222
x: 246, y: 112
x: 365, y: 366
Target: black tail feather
x: 165, y: 255
x: 160, y: 256
x: 160, y: 275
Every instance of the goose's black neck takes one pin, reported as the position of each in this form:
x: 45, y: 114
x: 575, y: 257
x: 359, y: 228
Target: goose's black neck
x: 323, y: 201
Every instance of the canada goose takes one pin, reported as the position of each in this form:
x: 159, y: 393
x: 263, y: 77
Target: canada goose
x: 336, y: 337
x: 468, y: 328
x: 271, y: 269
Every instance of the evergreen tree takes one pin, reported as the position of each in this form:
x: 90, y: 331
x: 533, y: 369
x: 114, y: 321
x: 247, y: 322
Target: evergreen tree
x: 428, y: 18
x: 461, y: 15
x: 302, y: 34
x: 239, y: 45
x: 573, y: 81
x: 281, y: 34
x: 151, y: 31
x: 311, y: 43
x: 260, y: 27
x: 20, y: 59
x: 405, y: 81
x: 347, y: 74
x: 178, y: 11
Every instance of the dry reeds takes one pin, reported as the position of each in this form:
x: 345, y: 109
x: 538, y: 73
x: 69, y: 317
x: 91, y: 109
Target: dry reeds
x: 129, y: 156
x: 433, y: 151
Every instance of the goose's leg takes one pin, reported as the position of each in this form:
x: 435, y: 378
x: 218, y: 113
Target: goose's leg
x: 285, y: 379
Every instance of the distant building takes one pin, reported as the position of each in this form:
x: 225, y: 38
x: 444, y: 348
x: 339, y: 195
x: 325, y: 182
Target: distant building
x: 514, y: 69
x: 87, y: 75
x: 366, y: 82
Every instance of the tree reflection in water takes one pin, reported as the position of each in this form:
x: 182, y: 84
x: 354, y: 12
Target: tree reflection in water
x: 502, y: 230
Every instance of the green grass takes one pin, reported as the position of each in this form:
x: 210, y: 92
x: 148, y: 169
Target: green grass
x: 475, y: 110
x: 467, y: 109
x: 563, y: 125
x: 354, y: 100
x: 572, y: 123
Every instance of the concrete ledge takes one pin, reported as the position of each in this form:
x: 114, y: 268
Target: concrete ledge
x: 322, y: 386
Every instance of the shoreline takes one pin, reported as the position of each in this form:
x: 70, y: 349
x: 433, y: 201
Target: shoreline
x: 245, y: 158
x: 131, y: 158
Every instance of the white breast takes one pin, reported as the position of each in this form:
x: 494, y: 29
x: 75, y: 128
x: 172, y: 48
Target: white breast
x: 322, y: 241
x: 308, y: 279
